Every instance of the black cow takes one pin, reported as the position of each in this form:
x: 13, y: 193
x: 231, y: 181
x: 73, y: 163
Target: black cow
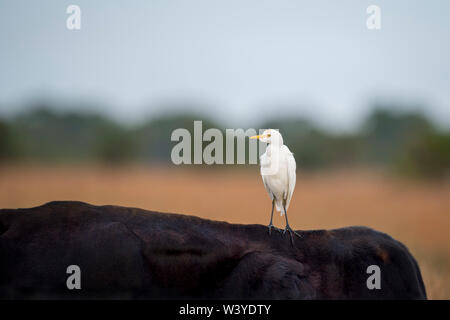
x: 131, y: 253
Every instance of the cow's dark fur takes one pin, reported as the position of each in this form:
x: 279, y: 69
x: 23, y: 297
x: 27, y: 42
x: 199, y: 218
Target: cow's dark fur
x: 133, y: 253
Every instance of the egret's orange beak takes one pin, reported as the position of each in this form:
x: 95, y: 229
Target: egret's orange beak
x: 257, y: 137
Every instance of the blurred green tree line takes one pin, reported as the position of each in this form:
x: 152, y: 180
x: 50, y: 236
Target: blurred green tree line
x: 407, y: 142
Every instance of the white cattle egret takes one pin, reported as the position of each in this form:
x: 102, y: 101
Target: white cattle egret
x: 278, y: 175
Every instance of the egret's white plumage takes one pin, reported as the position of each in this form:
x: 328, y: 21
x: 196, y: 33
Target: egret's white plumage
x: 278, y: 173
x: 280, y: 185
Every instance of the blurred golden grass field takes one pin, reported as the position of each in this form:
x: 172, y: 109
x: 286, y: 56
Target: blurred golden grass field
x: 416, y: 213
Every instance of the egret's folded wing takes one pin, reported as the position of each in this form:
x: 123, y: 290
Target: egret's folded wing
x: 291, y: 167
x: 267, y: 187
x: 263, y: 160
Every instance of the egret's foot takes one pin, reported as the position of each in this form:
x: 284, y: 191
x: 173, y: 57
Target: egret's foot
x: 288, y: 228
x: 270, y: 226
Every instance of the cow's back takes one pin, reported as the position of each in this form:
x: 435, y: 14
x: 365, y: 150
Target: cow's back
x: 132, y: 253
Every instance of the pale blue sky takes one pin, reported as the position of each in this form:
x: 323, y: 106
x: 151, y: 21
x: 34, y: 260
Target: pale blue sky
x: 243, y: 59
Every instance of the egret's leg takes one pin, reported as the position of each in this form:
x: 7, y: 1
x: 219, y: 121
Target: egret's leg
x: 288, y: 227
x: 270, y: 226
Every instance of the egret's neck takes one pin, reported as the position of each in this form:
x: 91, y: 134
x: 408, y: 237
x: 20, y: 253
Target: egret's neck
x: 276, y: 143
x: 273, y: 148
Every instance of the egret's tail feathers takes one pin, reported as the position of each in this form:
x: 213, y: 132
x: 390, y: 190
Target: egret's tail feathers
x: 279, y: 207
